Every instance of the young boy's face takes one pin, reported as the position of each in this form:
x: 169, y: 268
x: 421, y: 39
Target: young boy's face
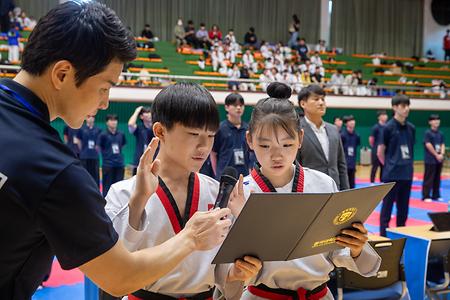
x: 275, y: 149
x: 383, y: 118
x: 146, y: 117
x: 112, y: 124
x: 235, y: 110
x: 434, y: 123
x: 401, y: 110
x: 351, y: 125
x: 188, y: 147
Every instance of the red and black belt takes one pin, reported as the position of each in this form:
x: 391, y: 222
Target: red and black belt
x: 147, y: 295
x: 266, y: 292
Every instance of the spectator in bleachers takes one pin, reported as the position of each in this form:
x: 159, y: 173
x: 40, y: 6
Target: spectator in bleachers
x: 298, y: 81
x: 396, y: 153
x: 189, y: 35
x: 233, y: 74
x: 23, y: 20
x: 218, y: 59
x: 249, y: 61
x: 308, y: 66
x: 87, y: 138
x: 321, y: 46
x: 316, y: 60
x: 350, y: 84
x: 147, y: 32
x: 294, y: 31
x: 143, y: 132
x: 372, y: 89
x: 361, y: 89
x: 318, y: 78
x: 250, y: 38
x: 434, y: 156
x: 110, y: 142
x: 268, y: 64
x: 201, y: 63
x: 278, y: 64
x: 245, y: 86
x: 302, y: 49
x: 374, y: 141
x: 446, y: 44
x: 336, y: 82
x: 350, y: 143
x: 265, y: 79
x: 231, y: 37
x: 306, y: 78
x: 230, y: 146
x: 202, y: 37
x: 215, y: 33
x: 178, y: 33
x: 32, y: 23
x: 265, y: 50
x: 338, y: 122
x: 277, y: 75
x: 13, y: 44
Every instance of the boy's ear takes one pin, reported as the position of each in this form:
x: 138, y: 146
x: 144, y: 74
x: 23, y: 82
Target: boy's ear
x: 159, y: 130
x: 248, y: 137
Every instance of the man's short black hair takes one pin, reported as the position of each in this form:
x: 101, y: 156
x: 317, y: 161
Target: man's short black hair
x: 433, y: 117
x: 400, y: 99
x: 308, y: 91
x: 381, y: 112
x: 252, y: 29
x: 188, y: 104
x: 89, y: 35
x: 112, y: 117
x: 234, y: 98
x: 337, y: 117
x: 345, y: 119
x: 202, y: 24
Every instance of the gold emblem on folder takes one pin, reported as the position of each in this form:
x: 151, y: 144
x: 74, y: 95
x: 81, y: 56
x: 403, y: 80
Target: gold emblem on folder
x: 345, y: 216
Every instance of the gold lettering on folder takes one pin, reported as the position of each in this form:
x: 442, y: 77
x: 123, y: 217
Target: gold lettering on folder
x: 345, y: 216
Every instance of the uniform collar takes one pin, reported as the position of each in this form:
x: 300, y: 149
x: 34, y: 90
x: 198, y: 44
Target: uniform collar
x: 29, y: 96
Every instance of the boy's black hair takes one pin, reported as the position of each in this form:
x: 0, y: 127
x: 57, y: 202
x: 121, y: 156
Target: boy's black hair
x: 188, y: 104
x: 433, y: 117
x: 400, y: 99
x: 145, y: 109
x: 381, y: 112
x: 234, y: 98
x: 112, y: 117
x: 337, y: 117
x: 348, y: 118
x: 89, y: 35
x: 308, y: 91
x: 202, y: 24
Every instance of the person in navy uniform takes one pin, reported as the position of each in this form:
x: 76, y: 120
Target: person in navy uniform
x: 374, y: 140
x: 70, y: 139
x: 396, y: 154
x: 143, y: 132
x: 50, y: 204
x: 434, y: 144
x: 110, y: 142
x: 230, y: 147
x: 87, y: 137
x: 350, y: 141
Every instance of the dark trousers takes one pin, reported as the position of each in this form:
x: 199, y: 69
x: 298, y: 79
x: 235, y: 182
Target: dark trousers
x: 351, y: 177
x: 400, y: 195
x: 91, y: 165
x: 373, y: 171
x: 447, y: 54
x: 432, y: 181
x: 111, y: 175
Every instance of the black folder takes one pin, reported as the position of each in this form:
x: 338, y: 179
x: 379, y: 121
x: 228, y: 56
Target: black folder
x: 286, y: 226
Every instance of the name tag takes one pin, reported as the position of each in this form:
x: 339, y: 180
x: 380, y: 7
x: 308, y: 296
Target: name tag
x: 91, y: 144
x: 239, y: 157
x: 351, y: 151
x: 115, y: 148
x: 405, y: 152
x: 438, y: 148
x: 3, y: 179
x: 74, y: 140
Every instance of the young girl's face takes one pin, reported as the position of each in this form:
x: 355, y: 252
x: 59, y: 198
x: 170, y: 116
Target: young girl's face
x: 275, y: 149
